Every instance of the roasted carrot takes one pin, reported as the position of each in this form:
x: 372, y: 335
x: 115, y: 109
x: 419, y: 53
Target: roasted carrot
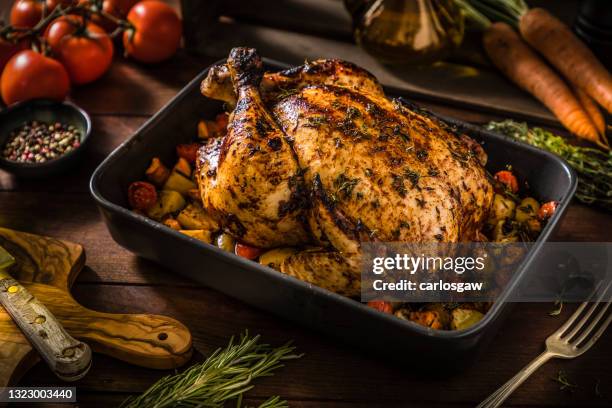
x: 553, y: 39
x: 523, y: 66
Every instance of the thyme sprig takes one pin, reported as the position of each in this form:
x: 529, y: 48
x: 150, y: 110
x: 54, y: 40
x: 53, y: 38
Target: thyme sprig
x: 225, y: 376
x: 593, y: 166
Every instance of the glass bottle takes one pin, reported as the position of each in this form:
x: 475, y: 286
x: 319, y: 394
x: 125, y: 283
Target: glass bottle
x: 407, y: 31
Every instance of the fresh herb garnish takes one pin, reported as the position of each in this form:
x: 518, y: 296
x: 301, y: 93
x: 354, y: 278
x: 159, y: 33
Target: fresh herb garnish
x: 564, y: 381
x: 224, y: 377
x: 344, y: 185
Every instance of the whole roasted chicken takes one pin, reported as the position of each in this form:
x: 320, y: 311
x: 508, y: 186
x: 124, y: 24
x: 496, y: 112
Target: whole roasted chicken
x: 318, y: 157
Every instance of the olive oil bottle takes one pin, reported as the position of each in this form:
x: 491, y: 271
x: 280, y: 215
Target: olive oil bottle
x: 407, y: 31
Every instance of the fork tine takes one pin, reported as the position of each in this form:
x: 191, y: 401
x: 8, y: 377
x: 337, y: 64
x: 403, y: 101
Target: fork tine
x: 585, y: 333
x: 561, y: 330
x: 595, y: 337
x: 585, y: 318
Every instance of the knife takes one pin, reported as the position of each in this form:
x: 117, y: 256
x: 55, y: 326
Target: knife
x: 67, y: 357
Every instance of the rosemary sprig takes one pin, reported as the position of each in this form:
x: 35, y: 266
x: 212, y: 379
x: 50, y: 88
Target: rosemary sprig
x: 593, y: 166
x: 564, y: 381
x: 225, y: 376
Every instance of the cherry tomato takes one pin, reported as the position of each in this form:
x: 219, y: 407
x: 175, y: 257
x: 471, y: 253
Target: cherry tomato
x: 9, y: 48
x: 381, y: 306
x: 157, y: 32
x: 508, y: 179
x: 247, y: 251
x: 86, y: 52
x: 188, y: 152
x: 142, y: 195
x: 547, y: 210
x: 30, y: 75
x: 27, y: 13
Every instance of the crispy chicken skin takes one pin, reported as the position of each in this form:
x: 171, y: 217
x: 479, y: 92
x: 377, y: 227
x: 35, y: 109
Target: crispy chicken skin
x: 218, y: 83
x: 250, y: 180
x: 349, y: 166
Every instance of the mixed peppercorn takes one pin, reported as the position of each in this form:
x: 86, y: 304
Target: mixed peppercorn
x: 39, y: 142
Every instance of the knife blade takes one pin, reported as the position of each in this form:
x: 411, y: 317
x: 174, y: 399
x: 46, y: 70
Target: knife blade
x: 67, y: 357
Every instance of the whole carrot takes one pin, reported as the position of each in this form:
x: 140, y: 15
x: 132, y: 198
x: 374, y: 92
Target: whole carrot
x: 592, y: 109
x: 551, y: 37
x: 523, y: 66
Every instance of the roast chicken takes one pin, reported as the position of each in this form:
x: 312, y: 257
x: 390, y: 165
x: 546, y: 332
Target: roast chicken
x: 318, y: 157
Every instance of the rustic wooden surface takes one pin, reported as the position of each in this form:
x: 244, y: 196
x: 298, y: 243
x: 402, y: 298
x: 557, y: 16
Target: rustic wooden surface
x: 47, y: 267
x: 330, y: 374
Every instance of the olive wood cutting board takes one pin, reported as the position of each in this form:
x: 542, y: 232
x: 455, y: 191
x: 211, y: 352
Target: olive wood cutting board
x: 47, y: 267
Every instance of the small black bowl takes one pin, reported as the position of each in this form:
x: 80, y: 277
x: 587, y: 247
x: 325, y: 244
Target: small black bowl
x: 48, y: 111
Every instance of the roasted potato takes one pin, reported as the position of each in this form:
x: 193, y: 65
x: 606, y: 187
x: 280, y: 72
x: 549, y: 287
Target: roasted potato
x: 168, y: 202
x: 501, y: 209
x: 182, y: 166
x: 461, y: 319
x: 274, y: 257
x: 527, y: 209
x: 157, y: 173
x: 194, y: 217
x: 178, y: 182
x: 202, y: 235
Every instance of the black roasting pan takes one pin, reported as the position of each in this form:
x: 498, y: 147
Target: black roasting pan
x: 348, y: 321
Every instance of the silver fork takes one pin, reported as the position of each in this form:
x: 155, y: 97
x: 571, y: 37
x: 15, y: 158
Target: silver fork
x: 563, y: 343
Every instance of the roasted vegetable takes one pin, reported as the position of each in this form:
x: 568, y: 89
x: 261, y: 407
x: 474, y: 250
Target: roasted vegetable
x: 461, y: 319
x: 527, y: 209
x: 157, y: 173
x: 202, y: 235
x: 172, y: 223
x: 179, y: 183
x: 382, y: 306
x: 508, y: 180
x: 502, y: 208
x: 194, y: 217
x: 247, y: 251
x: 169, y: 202
x: 547, y: 210
x: 274, y: 257
x: 226, y: 242
x: 182, y: 166
x: 142, y: 195
x: 188, y: 152
x: 504, y: 231
x: 203, y: 131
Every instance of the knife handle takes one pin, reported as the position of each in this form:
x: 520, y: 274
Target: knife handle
x: 68, y: 358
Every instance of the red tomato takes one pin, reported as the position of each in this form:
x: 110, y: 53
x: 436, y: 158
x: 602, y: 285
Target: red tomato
x: 27, y: 13
x: 381, y: 306
x: 8, y: 49
x: 142, y: 195
x: 508, y: 179
x: 156, y: 34
x: 188, y: 152
x: 247, y: 251
x: 30, y: 75
x: 86, y: 53
x: 547, y: 210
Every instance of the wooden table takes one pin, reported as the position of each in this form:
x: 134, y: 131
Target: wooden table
x: 330, y: 374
